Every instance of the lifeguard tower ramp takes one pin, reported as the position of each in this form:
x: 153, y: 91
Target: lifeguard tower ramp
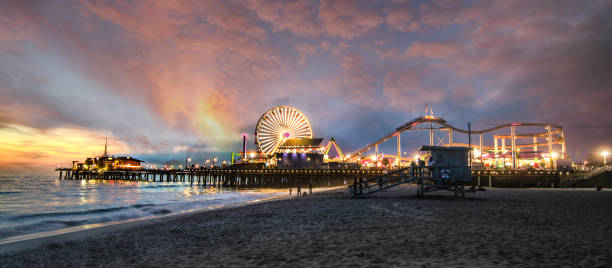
x: 450, y: 171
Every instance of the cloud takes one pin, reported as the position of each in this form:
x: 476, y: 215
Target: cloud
x: 389, y: 54
x: 402, y: 20
x: 305, y: 50
x: 548, y: 59
x: 298, y: 17
x: 407, y: 90
x: 346, y: 19
x: 210, y: 52
x: 356, y: 84
x: 434, y: 50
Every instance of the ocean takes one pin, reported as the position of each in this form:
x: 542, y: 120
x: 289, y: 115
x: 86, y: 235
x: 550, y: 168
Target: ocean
x: 40, y: 203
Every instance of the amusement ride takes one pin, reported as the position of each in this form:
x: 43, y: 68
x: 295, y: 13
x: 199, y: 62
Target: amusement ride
x: 284, y: 135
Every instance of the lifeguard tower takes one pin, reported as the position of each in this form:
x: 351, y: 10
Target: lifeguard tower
x: 448, y: 170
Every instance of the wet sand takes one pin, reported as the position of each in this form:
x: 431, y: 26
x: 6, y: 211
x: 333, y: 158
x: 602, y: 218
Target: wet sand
x: 498, y: 227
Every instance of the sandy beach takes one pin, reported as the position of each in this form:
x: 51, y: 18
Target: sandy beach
x: 497, y: 227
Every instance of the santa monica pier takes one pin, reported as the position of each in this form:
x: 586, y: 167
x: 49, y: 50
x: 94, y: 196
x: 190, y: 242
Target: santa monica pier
x: 288, y: 154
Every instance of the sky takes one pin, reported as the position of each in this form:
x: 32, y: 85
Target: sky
x: 166, y: 79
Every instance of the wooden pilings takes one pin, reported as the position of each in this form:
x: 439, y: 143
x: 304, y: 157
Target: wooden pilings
x: 285, y: 178
x: 516, y: 178
x: 272, y: 178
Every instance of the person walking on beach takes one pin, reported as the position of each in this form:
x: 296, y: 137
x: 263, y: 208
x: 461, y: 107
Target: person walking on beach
x: 299, y: 190
x: 310, y: 188
x: 431, y: 163
x: 360, y: 186
x: 421, y: 164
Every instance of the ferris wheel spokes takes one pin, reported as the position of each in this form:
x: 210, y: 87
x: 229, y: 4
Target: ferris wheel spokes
x: 279, y: 124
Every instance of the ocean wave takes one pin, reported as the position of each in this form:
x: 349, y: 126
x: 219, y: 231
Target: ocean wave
x: 10, y: 192
x: 124, y: 187
x: 84, y: 212
x: 67, y: 223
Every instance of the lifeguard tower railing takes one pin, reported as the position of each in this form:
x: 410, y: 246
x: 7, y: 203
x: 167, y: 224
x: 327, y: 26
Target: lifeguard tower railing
x: 389, y: 180
x: 427, y: 179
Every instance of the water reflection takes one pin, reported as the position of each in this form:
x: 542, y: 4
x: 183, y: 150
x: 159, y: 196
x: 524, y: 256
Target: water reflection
x: 46, y: 203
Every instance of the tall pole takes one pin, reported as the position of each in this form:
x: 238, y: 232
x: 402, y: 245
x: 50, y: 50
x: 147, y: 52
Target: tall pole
x: 399, y: 149
x: 513, y: 137
x: 431, y: 137
x: 376, y: 151
x: 450, y: 137
x: 244, y: 146
x: 469, y: 144
x: 550, y: 147
x: 563, y: 153
x: 495, y: 151
x: 480, y: 147
x: 503, y: 150
x: 470, y: 154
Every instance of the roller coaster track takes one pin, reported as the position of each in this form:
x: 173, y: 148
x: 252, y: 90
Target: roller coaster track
x: 439, y: 121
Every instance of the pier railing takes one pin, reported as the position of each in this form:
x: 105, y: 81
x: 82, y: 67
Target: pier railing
x: 591, y: 174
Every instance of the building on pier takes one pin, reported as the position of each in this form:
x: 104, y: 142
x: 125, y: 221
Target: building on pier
x: 106, y: 162
x: 302, y: 153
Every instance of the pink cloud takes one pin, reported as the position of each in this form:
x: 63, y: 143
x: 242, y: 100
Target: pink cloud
x: 406, y: 90
x: 305, y: 50
x: 188, y: 63
x: 347, y: 19
x: 401, y: 20
x: 389, y: 54
x: 433, y: 50
x: 298, y: 17
x: 356, y: 84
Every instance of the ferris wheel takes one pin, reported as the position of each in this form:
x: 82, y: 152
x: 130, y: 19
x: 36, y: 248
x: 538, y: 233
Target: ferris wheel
x: 277, y: 125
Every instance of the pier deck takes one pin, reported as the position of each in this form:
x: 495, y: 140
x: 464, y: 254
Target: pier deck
x: 283, y: 178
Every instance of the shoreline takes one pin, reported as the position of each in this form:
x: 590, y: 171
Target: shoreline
x: 20, y: 242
